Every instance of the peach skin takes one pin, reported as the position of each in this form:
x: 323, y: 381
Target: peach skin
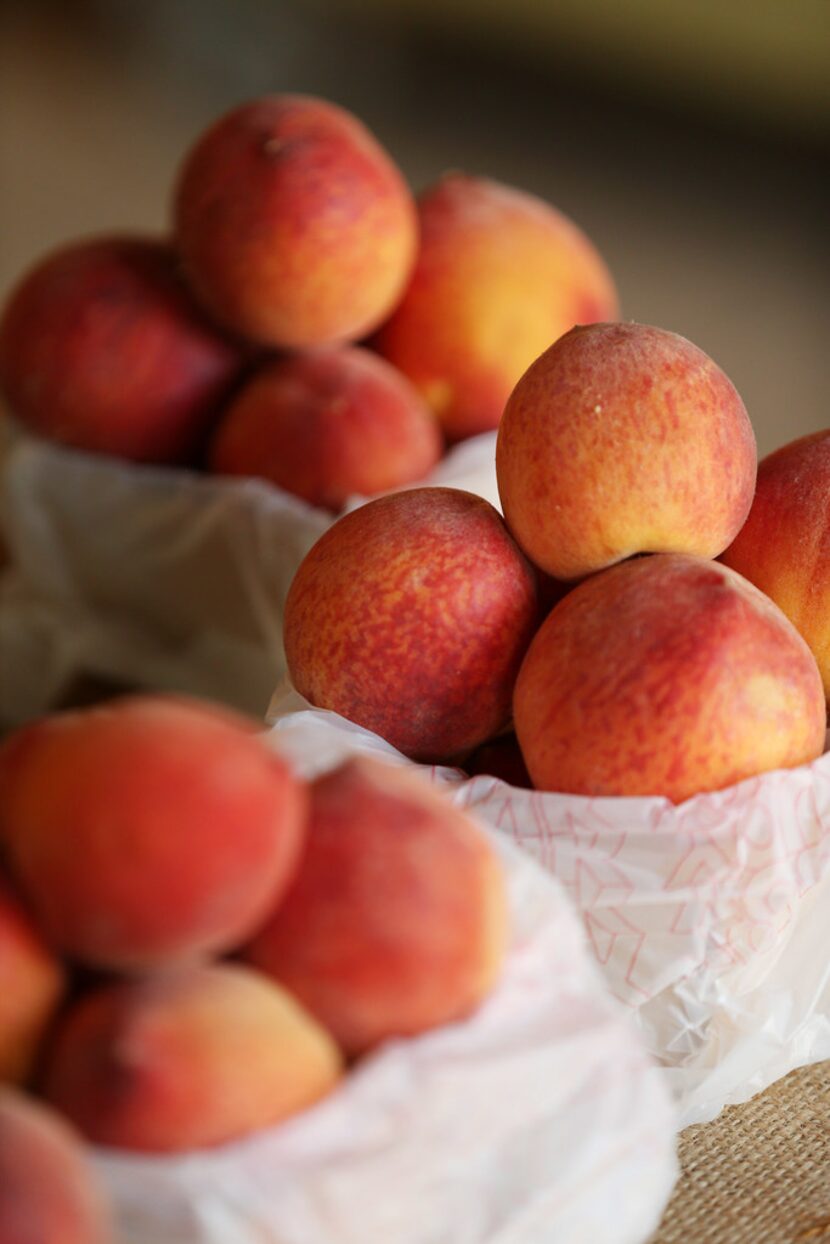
x: 784, y: 545
x: 187, y: 1059
x: 103, y: 348
x: 623, y: 439
x: 500, y: 275
x: 31, y: 986
x: 294, y: 226
x: 49, y: 1193
x: 396, y: 921
x: 328, y: 425
x: 148, y: 829
x: 410, y: 616
x: 667, y: 675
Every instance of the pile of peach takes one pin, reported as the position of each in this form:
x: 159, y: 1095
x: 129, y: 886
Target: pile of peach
x: 145, y: 842
x: 429, y: 619
x: 233, y: 343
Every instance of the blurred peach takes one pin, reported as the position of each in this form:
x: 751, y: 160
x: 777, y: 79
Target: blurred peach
x: 295, y: 227
x: 396, y: 921
x: 500, y: 275
x: 187, y: 1059
x: 102, y: 348
x: 328, y: 425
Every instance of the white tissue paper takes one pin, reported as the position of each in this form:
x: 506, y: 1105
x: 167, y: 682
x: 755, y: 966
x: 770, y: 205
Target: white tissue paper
x: 710, y: 920
x: 156, y: 577
x: 538, y: 1119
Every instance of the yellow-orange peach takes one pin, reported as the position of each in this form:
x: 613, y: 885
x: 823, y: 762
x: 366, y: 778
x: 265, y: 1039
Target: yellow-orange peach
x: 410, y: 616
x: 784, y: 545
x: 395, y: 922
x: 667, y: 675
x: 31, y: 985
x: 623, y: 439
x: 294, y: 226
x: 328, y: 425
x: 48, y: 1190
x: 187, y: 1059
x: 148, y: 829
x: 103, y: 348
x: 500, y: 275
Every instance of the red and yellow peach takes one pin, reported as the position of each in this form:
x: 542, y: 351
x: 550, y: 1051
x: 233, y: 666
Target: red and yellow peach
x: 410, y: 616
x: 666, y: 675
x: 623, y: 439
x: 396, y: 921
x: 500, y: 275
x: 294, y: 226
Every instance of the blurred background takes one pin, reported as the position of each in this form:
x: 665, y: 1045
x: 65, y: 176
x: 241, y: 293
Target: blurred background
x: 690, y: 140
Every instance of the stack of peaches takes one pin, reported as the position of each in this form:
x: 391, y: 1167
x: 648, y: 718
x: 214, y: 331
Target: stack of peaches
x: 145, y: 842
x: 593, y: 616
x: 192, y: 941
x: 233, y: 345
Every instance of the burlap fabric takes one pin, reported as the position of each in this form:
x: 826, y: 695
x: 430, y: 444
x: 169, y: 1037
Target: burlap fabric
x: 760, y: 1173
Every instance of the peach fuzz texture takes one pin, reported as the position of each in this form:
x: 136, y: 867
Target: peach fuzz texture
x: 410, y: 616
x: 187, y: 1059
x: 294, y: 226
x: 668, y: 675
x: 48, y: 1190
x: 148, y: 829
x: 31, y: 987
x: 327, y: 426
x: 397, y: 919
x: 500, y: 275
x: 103, y: 348
x: 623, y: 439
x: 784, y: 545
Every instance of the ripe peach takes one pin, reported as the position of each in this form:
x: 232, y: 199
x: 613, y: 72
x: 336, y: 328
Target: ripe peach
x: 48, y: 1190
x: 411, y: 616
x: 327, y: 425
x: 187, y: 1059
x: 31, y: 984
x: 623, y: 439
x: 667, y: 675
x: 396, y: 920
x: 148, y: 829
x: 102, y: 348
x: 500, y: 275
x: 784, y: 545
x: 295, y: 227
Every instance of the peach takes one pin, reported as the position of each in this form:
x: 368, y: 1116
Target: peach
x: 396, y: 920
x: 784, y: 545
x: 500, y: 275
x: 31, y: 985
x: 49, y: 1193
x: 328, y: 425
x: 623, y: 439
x: 148, y: 829
x: 187, y: 1059
x: 410, y: 616
x: 295, y: 227
x: 667, y: 675
x: 102, y: 348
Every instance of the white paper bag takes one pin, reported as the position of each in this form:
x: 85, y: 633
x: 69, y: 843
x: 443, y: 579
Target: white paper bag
x: 710, y: 920
x: 538, y: 1119
x: 156, y: 577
